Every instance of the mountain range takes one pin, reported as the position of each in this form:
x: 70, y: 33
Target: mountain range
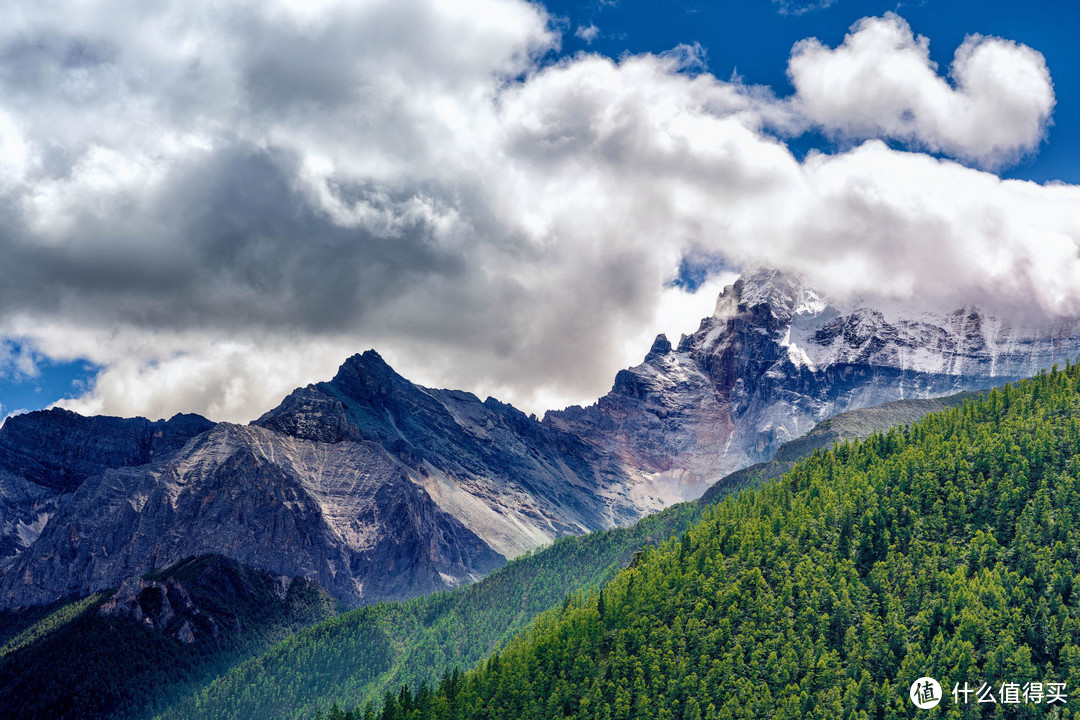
x: 930, y: 565
x: 775, y: 358
x: 162, y: 642
x: 378, y: 488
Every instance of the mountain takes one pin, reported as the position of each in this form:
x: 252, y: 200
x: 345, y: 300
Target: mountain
x: 945, y: 550
x: 357, y: 657
x: 374, y: 487
x: 775, y: 358
x: 353, y: 658
x: 378, y: 488
x: 514, y: 481
x: 129, y: 651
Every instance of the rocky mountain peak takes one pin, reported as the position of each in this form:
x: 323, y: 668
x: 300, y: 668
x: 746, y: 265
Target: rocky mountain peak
x: 355, y: 404
x: 769, y: 292
x: 366, y: 370
x: 661, y: 346
x: 777, y: 356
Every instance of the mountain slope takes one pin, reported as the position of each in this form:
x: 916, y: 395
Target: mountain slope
x: 361, y: 654
x: 263, y: 499
x: 125, y: 653
x: 46, y: 455
x: 946, y: 550
x: 775, y: 358
x: 845, y: 427
x: 355, y: 658
x: 372, y: 486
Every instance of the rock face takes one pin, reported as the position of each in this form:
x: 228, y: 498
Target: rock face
x: 776, y: 358
x: 164, y: 606
x: 514, y: 481
x: 370, y: 485
x: 342, y: 514
x: 46, y: 455
x: 377, y: 488
x: 58, y: 449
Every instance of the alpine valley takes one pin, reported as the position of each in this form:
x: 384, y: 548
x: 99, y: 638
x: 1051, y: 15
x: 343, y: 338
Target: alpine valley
x: 378, y: 489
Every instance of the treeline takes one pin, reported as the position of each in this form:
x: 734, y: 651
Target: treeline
x: 948, y: 550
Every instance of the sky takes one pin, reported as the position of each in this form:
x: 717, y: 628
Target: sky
x: 203, y: 207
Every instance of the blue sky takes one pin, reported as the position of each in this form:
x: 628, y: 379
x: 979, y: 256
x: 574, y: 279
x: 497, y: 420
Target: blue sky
x: 45, y: 384
x: 755, y: 38
x: 498, y: 196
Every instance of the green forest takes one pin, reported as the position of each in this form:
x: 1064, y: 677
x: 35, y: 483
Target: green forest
x: 946, y: 549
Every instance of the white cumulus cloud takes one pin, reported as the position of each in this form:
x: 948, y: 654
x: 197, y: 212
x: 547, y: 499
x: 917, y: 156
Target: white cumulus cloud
x: 880, y: 82
x: 588, y: 33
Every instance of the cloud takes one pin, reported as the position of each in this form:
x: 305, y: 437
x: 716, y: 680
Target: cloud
x: 880, y: 82
x: 801, y: 7
x: 218, y: 207
x: 587, y: 33
x: 878, y: 223
x: 160, y: 374
x: 18, y: 362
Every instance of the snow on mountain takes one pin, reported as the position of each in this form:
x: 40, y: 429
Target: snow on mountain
x: 775, y: 358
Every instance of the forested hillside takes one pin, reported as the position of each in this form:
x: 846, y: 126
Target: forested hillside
x: 357, y: 657
x: 948, y: 550
x: 129, y: 652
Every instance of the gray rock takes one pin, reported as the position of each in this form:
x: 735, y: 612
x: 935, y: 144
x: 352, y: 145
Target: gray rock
x: 163, y: 606
x: 46, y: 455
x: 59, y: 449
